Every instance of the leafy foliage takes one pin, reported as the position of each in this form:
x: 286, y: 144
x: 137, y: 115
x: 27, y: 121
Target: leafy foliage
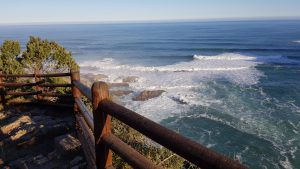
x: 58, y: 80
x: 47, y: 56
x: 9, y: 57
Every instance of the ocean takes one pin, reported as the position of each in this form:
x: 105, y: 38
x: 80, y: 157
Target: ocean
x: 233, y: 86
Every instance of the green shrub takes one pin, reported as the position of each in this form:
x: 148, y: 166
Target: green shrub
x: 9, y: 57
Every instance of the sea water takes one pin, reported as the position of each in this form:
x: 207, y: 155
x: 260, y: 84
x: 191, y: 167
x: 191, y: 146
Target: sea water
x: 231, y: 86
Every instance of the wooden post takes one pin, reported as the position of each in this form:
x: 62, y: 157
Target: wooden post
x: 2, y: 92
x: 101, y: 125
x: 75, y: 76
x: 37, y: 87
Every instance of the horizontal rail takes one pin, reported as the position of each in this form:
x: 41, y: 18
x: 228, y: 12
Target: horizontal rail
x: 188, y: 149
x: 87, y: 133
x: 55, y: 95
x: 86, y: 91
x: 36, y: 75
x: 13, y: 93
x: 17, y: 84
x: 53, y: 75
x: 41, y: 103
x: 90, y: 161
x: 85, y: 113
x: 16, y: 75
x: 55, y: 85
x: 135, y: 159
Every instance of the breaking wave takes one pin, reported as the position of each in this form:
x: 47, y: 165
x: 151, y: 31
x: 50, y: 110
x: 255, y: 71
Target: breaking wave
x: 225, y: 56
x: 181, y: 79
x: 224, y: 62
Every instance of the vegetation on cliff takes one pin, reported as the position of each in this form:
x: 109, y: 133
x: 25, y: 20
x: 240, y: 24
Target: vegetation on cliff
x: 9, y: 57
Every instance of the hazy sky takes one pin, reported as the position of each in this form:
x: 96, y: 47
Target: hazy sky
x: 27, y: 11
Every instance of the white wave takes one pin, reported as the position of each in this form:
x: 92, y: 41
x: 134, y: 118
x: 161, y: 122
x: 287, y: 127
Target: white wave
x: 224, y: 62
x: 297, y: 41
x: 178, y: 80
x: 225, y: 56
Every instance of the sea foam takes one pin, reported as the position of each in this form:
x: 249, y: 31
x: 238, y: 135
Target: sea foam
x: 182, y: 81
x: 225, y: 56
x: 179, y: 80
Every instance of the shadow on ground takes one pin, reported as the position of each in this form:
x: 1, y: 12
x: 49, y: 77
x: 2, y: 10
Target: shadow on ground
x: 34, y: 137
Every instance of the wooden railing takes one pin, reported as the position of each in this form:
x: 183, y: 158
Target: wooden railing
x: 95, y: 131
x: 39, y: 84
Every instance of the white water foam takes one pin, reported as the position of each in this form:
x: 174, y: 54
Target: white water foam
x: 297, y: 41
x: 178, y: 80
x: 225, y: 56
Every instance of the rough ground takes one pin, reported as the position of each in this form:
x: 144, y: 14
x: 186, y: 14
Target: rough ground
x: 39, y: 137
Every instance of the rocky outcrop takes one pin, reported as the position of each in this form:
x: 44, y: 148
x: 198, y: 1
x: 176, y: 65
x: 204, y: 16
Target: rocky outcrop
x: 147, y: 94
x: 67, y: 144
x: 130, y: 79
x: 121, y: 92
x: 89, y: 79
x: 111, y: 85
x: 179, y: 100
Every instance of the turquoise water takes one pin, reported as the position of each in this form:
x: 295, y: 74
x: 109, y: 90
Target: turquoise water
x: 232, y: 86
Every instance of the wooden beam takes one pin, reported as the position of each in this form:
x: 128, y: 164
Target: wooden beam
x: 101, y: 125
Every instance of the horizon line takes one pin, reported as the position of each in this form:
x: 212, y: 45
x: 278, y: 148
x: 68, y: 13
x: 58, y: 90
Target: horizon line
x: 232, y: 19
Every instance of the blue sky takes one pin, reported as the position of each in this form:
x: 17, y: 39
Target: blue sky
x: 28, y: 11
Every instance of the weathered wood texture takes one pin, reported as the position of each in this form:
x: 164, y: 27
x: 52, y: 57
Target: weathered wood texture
x: 36, y: 75
x: 55, y: 85
x: 13, y: 93
x: 2, y: 92
x: 17, y: 84
x: 37, y: 87
x: 86, y: 91
x: 85, y: 113
x: 101, y: 125
x: 55, y: 95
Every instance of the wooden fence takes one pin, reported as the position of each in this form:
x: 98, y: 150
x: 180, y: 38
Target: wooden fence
x: 95, y: 131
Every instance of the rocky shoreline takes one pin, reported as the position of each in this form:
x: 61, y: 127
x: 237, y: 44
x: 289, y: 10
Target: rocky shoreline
x: 122, y: 86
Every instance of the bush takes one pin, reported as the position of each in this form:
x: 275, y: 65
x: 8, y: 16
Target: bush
x: 9, y: 57
x: 43, y: 56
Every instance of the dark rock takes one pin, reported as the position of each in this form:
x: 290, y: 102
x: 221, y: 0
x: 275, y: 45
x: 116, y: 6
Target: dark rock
x: 67, y: 144
x: 147, y: 94
x: 20, y: 164
x: 121, y: 92
x: 80, y: 166
x: 179, y: 101
x: 52, y: 155
x: 118, y: 84
x: 76, y: 160
x: 89, y: 79
x: 130, y: 79
x: 40, y: 159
